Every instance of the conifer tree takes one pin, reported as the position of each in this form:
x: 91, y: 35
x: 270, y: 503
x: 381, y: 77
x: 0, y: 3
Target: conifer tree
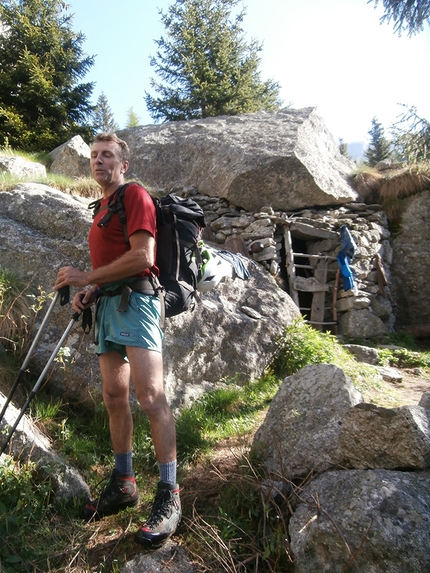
x: 133, y: 120
x: 411, y: 137
x: 343, y: 148
x: 103, y: 117
x: 407, y: 15
x: 42, y: 103
x: 205, y: 65
x: 379, y: 148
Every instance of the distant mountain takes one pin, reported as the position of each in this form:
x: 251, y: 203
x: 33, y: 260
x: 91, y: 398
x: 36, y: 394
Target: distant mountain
x: 356, y: 150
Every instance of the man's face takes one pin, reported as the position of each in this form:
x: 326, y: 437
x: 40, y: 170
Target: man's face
x: 106, y: 166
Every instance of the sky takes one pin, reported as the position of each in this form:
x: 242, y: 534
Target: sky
x: 334, y: 55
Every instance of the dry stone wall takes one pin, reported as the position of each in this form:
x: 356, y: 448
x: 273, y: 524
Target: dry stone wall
x: 363, y: 312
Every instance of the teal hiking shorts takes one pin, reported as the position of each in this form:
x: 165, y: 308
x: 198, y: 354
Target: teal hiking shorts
x: 138, y: 326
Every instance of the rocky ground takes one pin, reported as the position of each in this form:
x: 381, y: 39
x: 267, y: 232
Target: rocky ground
x: 112, y: 538
x: 202, y: 487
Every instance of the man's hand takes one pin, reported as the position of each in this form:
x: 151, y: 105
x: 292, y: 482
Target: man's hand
x: 70, y: 276
x: 84, y: 299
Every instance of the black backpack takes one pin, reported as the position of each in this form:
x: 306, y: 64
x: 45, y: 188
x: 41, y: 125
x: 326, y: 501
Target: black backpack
x: 179, y: 225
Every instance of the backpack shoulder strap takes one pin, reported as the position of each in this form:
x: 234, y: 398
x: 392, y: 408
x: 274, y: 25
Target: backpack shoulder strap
x: 120, y: 209
x: 114, y: 205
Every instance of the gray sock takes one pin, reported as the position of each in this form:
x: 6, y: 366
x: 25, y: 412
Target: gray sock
x: 124, y: 463
x: 168, y: 472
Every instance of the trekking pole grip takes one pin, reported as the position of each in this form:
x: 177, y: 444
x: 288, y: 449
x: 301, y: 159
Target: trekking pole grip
x: 64, y: 295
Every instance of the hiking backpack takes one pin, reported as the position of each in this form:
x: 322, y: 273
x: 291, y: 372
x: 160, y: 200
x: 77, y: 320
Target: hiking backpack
x: 179, y: 225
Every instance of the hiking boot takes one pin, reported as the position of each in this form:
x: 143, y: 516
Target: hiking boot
x: 165, y: 516
x: 119, y: 493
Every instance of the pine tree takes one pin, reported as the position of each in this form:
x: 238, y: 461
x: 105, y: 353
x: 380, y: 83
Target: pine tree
x: 42, y: 103
x: 379, y: 148
x: 343, y: 149
x: 411, y: 137
x: 407, y: 15
x: 133, y: 120
x: 207, y: 67
x: 103, y: 117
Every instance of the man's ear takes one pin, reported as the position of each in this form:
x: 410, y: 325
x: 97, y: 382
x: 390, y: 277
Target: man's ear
x: 124, y: 166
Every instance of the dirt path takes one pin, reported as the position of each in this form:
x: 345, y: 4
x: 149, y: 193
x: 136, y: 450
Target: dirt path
x: 409, y: 391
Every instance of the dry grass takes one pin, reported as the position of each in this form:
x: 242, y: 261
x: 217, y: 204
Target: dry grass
x: 390, y: 188
x: 367, y: 182
x: 404, y: 183
x: 15, y: 310
x: 381, y: 187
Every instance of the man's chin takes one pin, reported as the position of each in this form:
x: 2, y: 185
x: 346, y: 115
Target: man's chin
x: 101, y: 178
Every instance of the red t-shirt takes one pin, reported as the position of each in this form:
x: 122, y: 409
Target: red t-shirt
x: 107, y: 243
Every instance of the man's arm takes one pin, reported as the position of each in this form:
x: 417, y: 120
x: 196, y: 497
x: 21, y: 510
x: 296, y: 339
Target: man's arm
x: 139, y: 257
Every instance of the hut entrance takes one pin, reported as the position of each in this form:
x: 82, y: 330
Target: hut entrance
x: 312, y: 279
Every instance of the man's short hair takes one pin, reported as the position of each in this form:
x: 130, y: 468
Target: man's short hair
x: 124, y: 149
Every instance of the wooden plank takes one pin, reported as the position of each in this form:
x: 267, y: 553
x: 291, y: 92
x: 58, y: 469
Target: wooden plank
x: 335, y: 291
x: 303, y: 267
x: 310, y: 285
x: 327, y: 257
x: 289, y: 265
x: 318, y: 299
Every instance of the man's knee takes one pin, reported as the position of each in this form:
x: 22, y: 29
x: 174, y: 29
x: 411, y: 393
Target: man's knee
x: 152, y: 403
x: 115, y: 400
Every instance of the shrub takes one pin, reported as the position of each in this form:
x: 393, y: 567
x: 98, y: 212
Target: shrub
x: 300, y: 345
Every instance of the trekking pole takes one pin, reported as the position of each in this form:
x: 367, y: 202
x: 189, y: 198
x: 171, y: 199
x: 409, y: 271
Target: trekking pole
x: 64, y: 296
x: 40, y: 380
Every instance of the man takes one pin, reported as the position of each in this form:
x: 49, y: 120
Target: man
x: 128, y: 343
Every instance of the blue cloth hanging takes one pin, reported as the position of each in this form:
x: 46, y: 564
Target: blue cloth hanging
x: 346, y: 271
x: 345, y: 257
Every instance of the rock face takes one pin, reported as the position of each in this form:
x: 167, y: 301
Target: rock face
x: 28, y: 442
x: 287, y: 159
x: 305, y: 418
x: 397, y: 438
x: 378, y: 519
x: 411, y: 254
x: 201, y: 347
x: 359, y: 475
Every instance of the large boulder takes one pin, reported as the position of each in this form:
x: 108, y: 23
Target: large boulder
x: 300, y: 433
x: 389, y: 438
x: 230, y: 336
x: 286, y: 159
x: 71, y: 158
x: 367, y: 518
x: 20, y: 167
x: 372, y: 521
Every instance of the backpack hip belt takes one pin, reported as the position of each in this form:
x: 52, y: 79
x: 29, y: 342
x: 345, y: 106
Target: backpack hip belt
x: 141, y: 285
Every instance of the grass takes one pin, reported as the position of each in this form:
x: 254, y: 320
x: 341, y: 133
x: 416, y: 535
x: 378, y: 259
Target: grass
x: 33, y: 531
x: 390, y: 189
x: 83, y: 187
x: 15, y: 309
x: 300, y: 345
x: 239, y: 529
